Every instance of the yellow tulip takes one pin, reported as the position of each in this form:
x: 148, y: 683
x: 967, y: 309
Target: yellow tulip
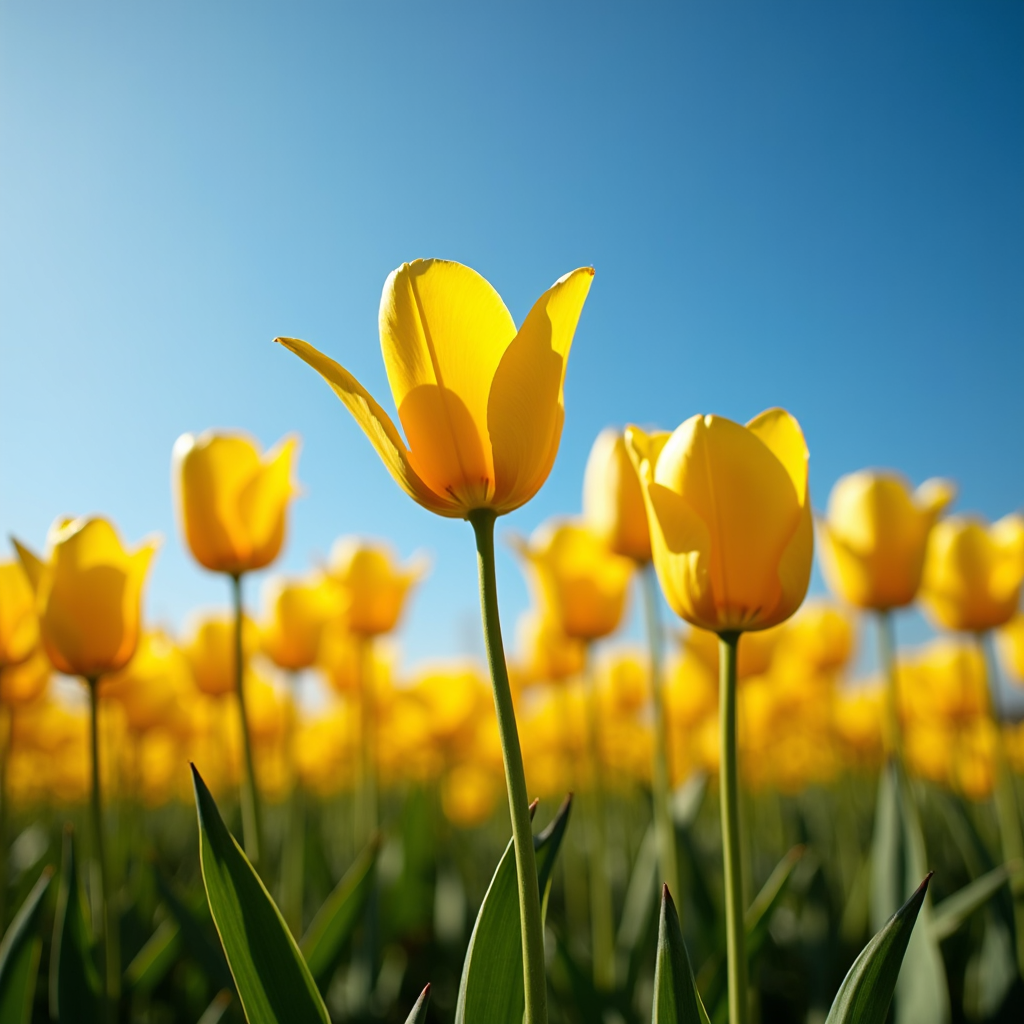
x: 374, y: 586
x: 820, y: 637
x: 548, y: 654
x: 297, y: 613
x: 27, y: 681
x: 88, y: 595
x: 152, y: 684
x: 232, y: 502
x: 454, y: 698
x: 469, y: 795
x: 973, y: 572
x: 19, y: 628
x: 613, y: 501
x: 1011, y: 645
x: 623, y: 681
x: 210, y: 650
x: 579, y: 581
x: 857, y: 720
x: 730, y: 517
x: 874, y: 537
x: 481, y: 404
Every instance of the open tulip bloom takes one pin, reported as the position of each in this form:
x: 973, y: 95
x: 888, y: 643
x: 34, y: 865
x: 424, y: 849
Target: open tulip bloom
x: 482, y: 406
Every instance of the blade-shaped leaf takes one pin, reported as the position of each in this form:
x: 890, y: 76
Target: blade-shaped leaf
x: 676, y: 999
x: 867, y: 989
x: 491, y: 988
x: 74, y: 980
x: 759, y: 913
x: 324, y: 941
x: 272, y: 979
x: 418, y: 1014
x: 155, y: 959
x: 948, y: 915
x: 19, y: 956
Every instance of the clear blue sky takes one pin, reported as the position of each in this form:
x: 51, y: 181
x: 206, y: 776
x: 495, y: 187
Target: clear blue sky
x: 813, y: 205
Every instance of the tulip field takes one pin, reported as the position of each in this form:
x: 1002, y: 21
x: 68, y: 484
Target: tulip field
x: 724, y: 823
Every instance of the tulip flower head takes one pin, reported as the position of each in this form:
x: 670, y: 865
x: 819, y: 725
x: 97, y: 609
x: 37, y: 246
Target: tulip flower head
x: 27, y: 681
x: 297, y: 613
x: 613, y: 501
x: 232, y: 501
x: 210, y: 649
x: 19, y: 628
x: 480, y: 402
x: 874, y: 536
x: 152, y: 685
x: 579, y: 581
x: 548, y: 655
x: 373, y: 585
x: 730, y: 518
x: 973, y: 572
x: 88, y: 595
x: 1011, y: 647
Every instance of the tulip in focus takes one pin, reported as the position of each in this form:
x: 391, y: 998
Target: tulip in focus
x: 973, y: 572
x: 874, y: 537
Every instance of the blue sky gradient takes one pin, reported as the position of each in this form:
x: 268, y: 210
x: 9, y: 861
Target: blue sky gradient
x: 799, y: 204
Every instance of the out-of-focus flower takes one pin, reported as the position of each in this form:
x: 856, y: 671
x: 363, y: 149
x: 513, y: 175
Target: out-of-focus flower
x: 481, y: 404
x: 469, y: 794
x: 210, y: 649
x: 548, y: 655
x: 374, y: 586
x: 857, y: 719
x: 232, y: 502
x: 730, y: 518
x: 1011, y: 646
x: 19, y: 628
x: 820, y: 636
x: 874, y: 537
x: 756, y: 653
x: 623, y: 686
x: 27, y: 681
x: 88, y: 595
x: 454, y: 698
x: 613, y: 502
x: 973, y: 572
x: 579, y: 581
x: 944, y: 680
x: 297, y: 611
x: 152, y: 686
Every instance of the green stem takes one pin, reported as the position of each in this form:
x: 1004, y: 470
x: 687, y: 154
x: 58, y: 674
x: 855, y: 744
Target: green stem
x: 112, y: 972
x: 664, y: 830
x: 887, y: 656
x: 250, y: 794
x: 534, y: 980
x: 735, y: 931
x: 601, y: 925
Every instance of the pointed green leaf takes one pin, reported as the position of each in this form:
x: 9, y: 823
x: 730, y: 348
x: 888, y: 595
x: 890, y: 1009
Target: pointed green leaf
x: 74, y: 980
x: 324, y: 941
x: 218, y: 1007
x: 867, y: 989
x: 273, y: 982
x: 948, y: 915
x: 759, y: 913
x: 491, y: 988
x: 155, y: 959
x: 19, y: 956
x: 418, y: 1014
x: 676, y: 999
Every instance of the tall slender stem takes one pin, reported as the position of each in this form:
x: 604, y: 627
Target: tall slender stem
x: 111, y: 957
x: 735, y: 931
x: 250, y: 795
x: 664, y: 830
x: 887, y: 656
x: 534, y: 980
x: 601, y: 925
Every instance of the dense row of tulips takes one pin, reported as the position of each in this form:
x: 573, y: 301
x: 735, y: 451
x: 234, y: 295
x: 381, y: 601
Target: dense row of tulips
x: 752, y: 689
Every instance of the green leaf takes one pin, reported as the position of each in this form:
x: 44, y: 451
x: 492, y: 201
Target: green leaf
x: 74, y: 981
x: 19, y: 956
x: 676, y: 999
x: 491, y: 989
x: 866, y: 991
x: 324, y: 941
x: 218, y: 1007
x: 272, y: 979
x: 759, y: 913
x: 155, y: 959
x: 418, y: 1014
x: 948, y: 915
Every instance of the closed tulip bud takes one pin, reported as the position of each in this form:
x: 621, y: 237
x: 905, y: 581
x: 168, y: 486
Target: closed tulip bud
x: 580, y: 582
x: 874, y: 537
x: 613, y: 502
x: 480, y: 402
x: 373, y: 585
x: 973, y: 572
x: 232, y: 502
x: 88, y: 595
x: 19, y: 628
x: 210, y: 650
x: 730, y: 516
x: 548, y: 655
x: 297, y: 613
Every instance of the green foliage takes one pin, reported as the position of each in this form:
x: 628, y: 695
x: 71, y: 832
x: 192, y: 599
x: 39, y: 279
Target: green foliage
x: 676, y: 999
x: 19, y: 956
x: 418, y: 1014
x: 954, y: 910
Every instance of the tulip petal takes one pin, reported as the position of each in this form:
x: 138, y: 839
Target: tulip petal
x: 782, y: 434
x: 263, y: 502
x: 526, y: 408
x: 377, y: 426
x: 1008, y: 569
x: 934, y: 495
x: 33, y: 565
x: 443, y: 332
